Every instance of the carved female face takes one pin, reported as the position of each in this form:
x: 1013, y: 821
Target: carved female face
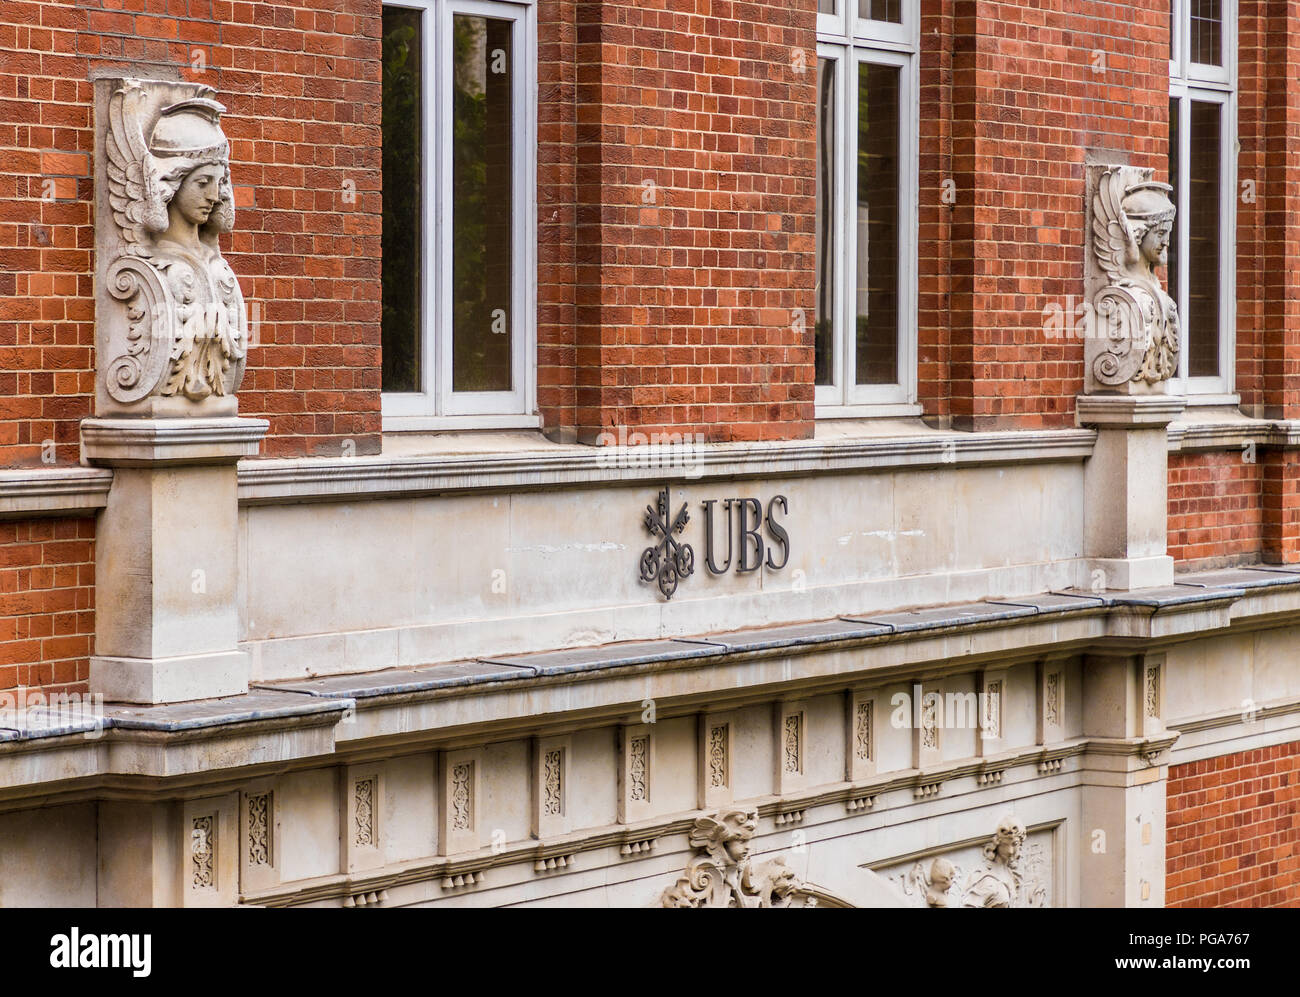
x: 1155, y: 244
x: 198, y: 194
x: 738, y: 848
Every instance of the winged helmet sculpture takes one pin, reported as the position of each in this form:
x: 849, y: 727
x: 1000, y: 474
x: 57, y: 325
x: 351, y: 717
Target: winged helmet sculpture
x: 183, y: 330
x: 1132, y: 219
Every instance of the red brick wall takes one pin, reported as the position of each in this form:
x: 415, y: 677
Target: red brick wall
x: 1215, y: 514
x: 1014, y: 97
x: 685, y: 293
x: 47, y: 603
x: 301, y: 84
x: 1233, y: 830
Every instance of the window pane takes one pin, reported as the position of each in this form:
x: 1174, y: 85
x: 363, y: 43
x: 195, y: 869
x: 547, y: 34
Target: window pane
x: 828, y: 6
x: 824, y: 320
x: 1207, y: 32
x: 1171, y: 269
x: 877, y: 224
x: 1203, y: 240
x: 403, y: 207
x: 881, y: 10
x: 482, y: 208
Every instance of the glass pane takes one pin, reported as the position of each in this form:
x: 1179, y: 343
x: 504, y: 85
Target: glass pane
x: 403, y: 206
x: 877, y: 224
x: 1207, y: 32
x: 828, y: 6
x: 1171, y: 268
x: 824, y: 319
x: 881, y: 10
x: 482, y: 209
x: 1203, y: 240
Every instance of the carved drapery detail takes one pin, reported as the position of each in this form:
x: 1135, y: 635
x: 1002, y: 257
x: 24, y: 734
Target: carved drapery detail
x: 172, y: 322
x: 462, y: 796
x: 638, y: 767
x: 1053, y: 697
x: 259, y: 829
x: 202, y: 852
x: 1135, y: 336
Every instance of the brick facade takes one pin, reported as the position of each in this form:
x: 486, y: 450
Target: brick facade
x: 1233, y: 833
x: 47, y: 604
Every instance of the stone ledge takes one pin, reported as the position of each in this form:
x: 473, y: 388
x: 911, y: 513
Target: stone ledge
x: 1128, y: 411
x: 54, y: 491
x: 161, y: 442
x: 265, y: 482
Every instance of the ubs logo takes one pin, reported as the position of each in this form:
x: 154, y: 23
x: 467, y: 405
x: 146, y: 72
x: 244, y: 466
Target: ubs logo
x: 755, y: 536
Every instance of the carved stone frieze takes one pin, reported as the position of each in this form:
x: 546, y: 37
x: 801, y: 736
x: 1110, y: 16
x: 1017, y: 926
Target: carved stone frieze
x: 1007, y: 870
x: 170, y: 316
x: 1133, y: 340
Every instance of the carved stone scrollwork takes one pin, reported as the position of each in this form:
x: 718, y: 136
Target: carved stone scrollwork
x: 171, y: 317
x: 1134, y: 338
x: 725, y: 875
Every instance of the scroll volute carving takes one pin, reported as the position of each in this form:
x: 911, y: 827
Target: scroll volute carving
x: 1133, y: 340
x: 171, y: 329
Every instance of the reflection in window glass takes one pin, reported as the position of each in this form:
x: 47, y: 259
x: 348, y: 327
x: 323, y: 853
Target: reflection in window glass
x: 401, y: 333
x: 881, y: 10
x: 828, y: 6
x: 1203, y: 282
x: 877, y: 224
x: 1174, y: 236
x: 482, y: 208
x: 824, y: 320
x: 1206, y: 31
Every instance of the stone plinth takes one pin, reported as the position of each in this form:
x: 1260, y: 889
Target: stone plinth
x: 166, y: 615
x: 1125, y: 490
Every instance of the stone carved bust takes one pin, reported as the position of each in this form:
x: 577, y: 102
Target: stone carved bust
x: 1132, y: 220
x: 181, y: 331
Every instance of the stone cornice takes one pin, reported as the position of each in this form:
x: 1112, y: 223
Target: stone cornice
x: 353, y: 478
x: 53, y: 491
x: 139, y: 442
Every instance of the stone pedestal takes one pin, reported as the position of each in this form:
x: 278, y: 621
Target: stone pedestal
x: 1125, y: 490
x: 166, y: 611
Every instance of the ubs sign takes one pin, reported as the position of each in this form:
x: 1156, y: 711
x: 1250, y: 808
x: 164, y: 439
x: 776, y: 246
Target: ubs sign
x: 754, y: 532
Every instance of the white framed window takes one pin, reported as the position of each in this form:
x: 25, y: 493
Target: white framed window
x: 867, y: 122
x: 1202, y: 275
x: 459, y: 242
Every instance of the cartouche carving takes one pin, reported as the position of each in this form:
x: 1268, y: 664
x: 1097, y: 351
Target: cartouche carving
x: 181, y: 331
x: 1132, y: 218
x: 725, y: 875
